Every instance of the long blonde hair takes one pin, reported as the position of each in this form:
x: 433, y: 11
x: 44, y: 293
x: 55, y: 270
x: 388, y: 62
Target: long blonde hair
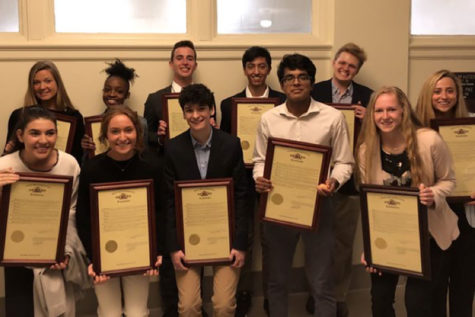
x: 424, y: 108
x: 370, y: 136
x: 62, y: 98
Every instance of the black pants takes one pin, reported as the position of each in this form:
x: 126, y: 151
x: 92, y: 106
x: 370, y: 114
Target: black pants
x: 422, y: 298
x: 462, y: 268
x: 18, y: 292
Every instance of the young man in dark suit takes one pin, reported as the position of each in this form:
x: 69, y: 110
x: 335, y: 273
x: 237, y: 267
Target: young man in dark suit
x: 256, y: 64
x: 183, y: 64
x: 342, y: 89
x: 203, y: 152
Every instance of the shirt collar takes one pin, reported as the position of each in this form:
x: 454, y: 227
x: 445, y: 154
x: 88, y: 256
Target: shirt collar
x: 207, y: 144
x: 176, y: 87
x: 314, y: 107
x: 336, y: 91
x: 249, y: 94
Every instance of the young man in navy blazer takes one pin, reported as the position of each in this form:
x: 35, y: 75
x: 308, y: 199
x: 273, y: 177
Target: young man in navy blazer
x: 256, y: 65
x: 203, y: 152
x: 342, y: 89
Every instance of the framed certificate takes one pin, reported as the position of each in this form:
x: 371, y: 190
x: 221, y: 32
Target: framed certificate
x: 395, y: 230
x: 34, y: 220
x: 205, y: 220
x: 66, y: 129
x: 173, y: 115
x: 93, y: 129
x: 245, y: 116
x: 123, y: 227
x: 295, y: 169
x: 459, y: 134
x: 354, y: 124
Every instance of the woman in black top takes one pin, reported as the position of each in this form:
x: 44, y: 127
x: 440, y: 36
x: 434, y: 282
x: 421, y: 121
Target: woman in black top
x: 121, y: 162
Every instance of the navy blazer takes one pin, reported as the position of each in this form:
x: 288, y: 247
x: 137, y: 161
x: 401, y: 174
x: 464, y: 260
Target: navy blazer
x: 153, y: 114
x: 225, y: 160
x: 322, y: 92
x: 226, y: 107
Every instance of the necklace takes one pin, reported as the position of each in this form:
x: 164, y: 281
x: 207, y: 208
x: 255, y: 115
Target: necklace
x: 36, y: 169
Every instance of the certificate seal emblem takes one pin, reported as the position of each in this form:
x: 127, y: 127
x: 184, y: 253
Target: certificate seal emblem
x: 277, y: 199
x: 194, y: 239
x: 381, y: 243
x: 17, y: 236
x: 111, y: 246
x: 245, y: 145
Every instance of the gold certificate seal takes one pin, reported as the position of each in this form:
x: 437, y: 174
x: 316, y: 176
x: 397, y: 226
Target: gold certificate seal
x: 17, y: 236
x: 194, y: 239
x: 277, y: 199
x: 245, y: 145
x: 380, y: 243
x: 111, y: 246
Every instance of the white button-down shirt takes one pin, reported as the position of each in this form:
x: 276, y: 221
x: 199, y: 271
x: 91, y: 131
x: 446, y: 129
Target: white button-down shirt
x: 321, y: 124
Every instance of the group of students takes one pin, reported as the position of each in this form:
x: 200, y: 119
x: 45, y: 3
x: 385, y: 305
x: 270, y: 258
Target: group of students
x: 395, y: 147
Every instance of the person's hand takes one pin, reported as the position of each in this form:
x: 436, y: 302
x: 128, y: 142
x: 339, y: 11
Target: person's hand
x: 60, y: 265
x: 368, y: 268
x: 238, y: 258
x: 177, y: 260
x: 263, y: 185
x: 162, y: 128
x: 8, y: 176
x: 359, y: 111
x: 101, y: 278
x: 9, y: 147
x: 327, y: 188
x: 426, y: 195
x: 87, y: 143
x: 154, y: 271
x: 471, y: 203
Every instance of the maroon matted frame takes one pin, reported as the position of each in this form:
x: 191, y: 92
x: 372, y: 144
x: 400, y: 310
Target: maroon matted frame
x: 435, y: 124
x: 356, y: 124
x: 88, y: 121
x: 179, y: 185
x: 235, y: 102
x: 95, y: 234
x: 423, y: 229
x: 61, y: 116
x: 165, y: 112
x: 326, y: 152
x: 63, y: 223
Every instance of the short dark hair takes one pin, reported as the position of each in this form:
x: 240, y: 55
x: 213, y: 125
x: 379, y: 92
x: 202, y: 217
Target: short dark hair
x: 184, y: 43
x: 196, y: 94
x: 254, y: 52
x: 27, y: 115
x: 297, y: 61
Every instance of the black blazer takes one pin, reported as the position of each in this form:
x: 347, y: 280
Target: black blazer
x: 225, y: 160
x: 226, y: 107
x: 322, y: 92
x: 153, y: 113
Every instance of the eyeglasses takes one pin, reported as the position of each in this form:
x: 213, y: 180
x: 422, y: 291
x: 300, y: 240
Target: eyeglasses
x: 291, y: 78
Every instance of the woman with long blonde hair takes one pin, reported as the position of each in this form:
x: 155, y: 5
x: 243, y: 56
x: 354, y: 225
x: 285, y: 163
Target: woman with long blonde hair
x: 46, y: 89
x: 395, y: 150
x: 441, y: 97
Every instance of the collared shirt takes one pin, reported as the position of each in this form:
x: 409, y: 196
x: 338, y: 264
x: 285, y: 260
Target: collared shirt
x: 249, y: 94
x: 321, y: 124
x: 338, y: 97
x: 202, y: 154
x: 176, y: 88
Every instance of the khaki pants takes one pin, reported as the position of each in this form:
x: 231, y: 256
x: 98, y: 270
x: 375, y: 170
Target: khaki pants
x: 224, y: 291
